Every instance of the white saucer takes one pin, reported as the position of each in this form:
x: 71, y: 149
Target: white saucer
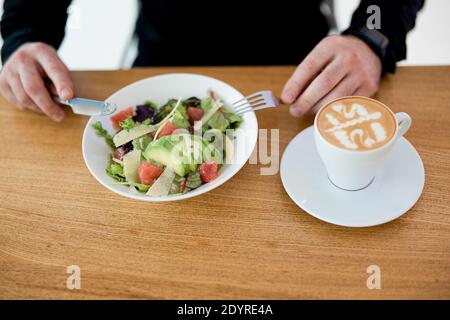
x: 395, y: 189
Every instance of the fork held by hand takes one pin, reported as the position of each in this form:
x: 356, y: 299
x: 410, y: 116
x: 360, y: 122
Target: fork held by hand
x: 256, y: 101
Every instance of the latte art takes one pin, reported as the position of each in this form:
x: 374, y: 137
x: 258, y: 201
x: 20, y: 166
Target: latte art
x: 356, y: 123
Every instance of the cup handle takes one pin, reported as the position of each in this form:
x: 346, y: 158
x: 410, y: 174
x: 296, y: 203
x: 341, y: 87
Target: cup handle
x: 404, y: 122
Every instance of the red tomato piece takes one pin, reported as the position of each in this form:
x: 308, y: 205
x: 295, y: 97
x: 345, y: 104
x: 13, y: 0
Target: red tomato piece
x: 194, y: 114
x: 208, y: 171
x: 167, y: 129
x: 120, y: 117
x: 148, y: 172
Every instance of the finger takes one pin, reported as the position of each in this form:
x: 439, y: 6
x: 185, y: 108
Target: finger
x: 57, y: 72
x: 347, y: 87
x: 364, y: 91
x: 314, y: 62
x: 22, y: 98
x: 9, y: 95
x: 34, y: 107
x: 34, y: 86
x: 51, y: 88
x: 319, y: 87
x: 25, y: 101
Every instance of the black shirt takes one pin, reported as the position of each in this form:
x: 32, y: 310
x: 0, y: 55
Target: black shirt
x: 180, y: 32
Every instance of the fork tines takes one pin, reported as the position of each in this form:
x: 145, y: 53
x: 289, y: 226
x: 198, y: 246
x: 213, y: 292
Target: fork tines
x: 256, y: 101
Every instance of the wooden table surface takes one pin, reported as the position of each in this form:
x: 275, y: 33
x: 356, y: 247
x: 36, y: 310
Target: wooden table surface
x: 245, y: 239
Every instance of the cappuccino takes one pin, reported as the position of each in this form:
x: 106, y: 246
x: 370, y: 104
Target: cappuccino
x: 356, y: 123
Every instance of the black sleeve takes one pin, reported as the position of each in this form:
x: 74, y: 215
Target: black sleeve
x: 397, y: 19
x: 32, y: 20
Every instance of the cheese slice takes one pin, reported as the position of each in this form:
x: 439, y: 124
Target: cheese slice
x: 125, y: 136
x: 161, y: 186
x: 131, y: 163
x: 229, y: 150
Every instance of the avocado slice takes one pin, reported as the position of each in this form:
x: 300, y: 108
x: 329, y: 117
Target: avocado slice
x: 169, y: 152
x: 181, y: 152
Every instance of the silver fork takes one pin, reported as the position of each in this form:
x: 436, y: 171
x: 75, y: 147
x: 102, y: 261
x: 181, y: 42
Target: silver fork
x: 256, y: 101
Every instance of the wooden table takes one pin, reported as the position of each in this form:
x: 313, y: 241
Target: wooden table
x: 246, y: 239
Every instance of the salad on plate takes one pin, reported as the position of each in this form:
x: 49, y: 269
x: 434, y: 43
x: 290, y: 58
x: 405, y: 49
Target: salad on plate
x: 173, y: 148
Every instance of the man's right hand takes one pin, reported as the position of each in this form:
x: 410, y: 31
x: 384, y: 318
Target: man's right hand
x: 23, y: 79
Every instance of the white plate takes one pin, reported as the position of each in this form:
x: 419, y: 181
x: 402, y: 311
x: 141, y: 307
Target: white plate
x: 395, y: 189
x: 159, y: 89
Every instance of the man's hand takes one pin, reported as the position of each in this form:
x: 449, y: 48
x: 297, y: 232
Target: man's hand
x: 23, y: 79
x: 338, y: 66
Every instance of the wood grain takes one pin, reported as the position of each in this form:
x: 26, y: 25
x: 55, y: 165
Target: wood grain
x: 246, y: 239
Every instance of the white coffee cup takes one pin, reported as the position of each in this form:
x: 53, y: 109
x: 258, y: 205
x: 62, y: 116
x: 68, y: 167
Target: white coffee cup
x: 355, y: 170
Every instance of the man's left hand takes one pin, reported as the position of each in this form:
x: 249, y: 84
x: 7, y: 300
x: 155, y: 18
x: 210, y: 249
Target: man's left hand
x: 338, y: 66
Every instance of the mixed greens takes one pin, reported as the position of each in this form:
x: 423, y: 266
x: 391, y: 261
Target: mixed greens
x: 170, y: 149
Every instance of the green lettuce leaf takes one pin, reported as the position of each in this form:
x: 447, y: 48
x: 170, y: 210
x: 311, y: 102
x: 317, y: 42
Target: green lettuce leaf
x: 141, y: 187
x: 218, y: 121
x: 151, y: 104
x: 164, y: 110
x: 233, y: 119
x: 115, y: 171
x: 128, y: 123
x: 141, y: 143
x: 180, y: 118
x: 206, y: 104
x: 103, y: 133
x: 176, y: 185
x: 193, y: 181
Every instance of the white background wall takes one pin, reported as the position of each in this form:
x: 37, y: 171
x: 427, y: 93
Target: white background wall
x: 99, y: 32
